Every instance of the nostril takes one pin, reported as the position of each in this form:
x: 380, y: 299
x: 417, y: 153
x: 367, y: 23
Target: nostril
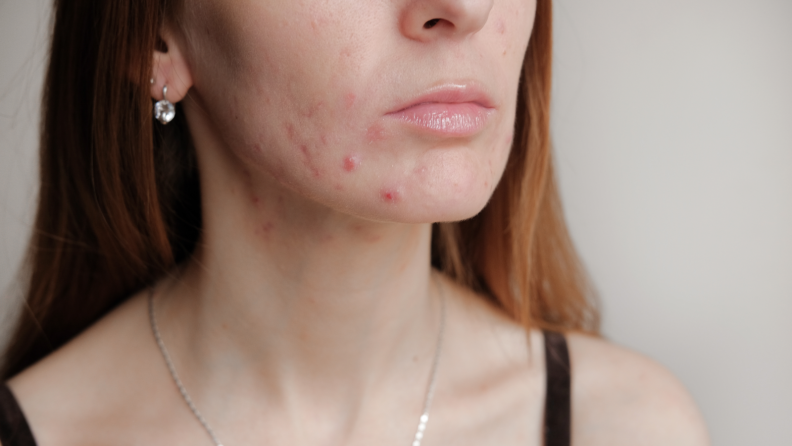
x: 431, y: 23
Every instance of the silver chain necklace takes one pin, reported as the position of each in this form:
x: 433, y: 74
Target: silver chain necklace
x: 423, y: 420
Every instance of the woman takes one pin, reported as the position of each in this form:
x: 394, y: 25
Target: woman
x: 258, y: 266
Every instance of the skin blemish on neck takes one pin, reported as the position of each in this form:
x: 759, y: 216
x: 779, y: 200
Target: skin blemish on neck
x: 365, y: 234
x: 351, y: 163
x: 265, y: 229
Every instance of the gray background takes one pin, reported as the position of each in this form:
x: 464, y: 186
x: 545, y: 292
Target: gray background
x: 673, y: 130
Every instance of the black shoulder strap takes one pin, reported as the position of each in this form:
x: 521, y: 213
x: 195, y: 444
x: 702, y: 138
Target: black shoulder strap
x: 558, y: 399
x: 14, y: 429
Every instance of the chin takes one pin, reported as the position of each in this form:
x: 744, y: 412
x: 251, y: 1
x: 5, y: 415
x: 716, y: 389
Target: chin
x: 448, y: 204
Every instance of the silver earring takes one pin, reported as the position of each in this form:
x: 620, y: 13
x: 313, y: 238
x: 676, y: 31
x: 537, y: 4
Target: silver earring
x: 164, y: 111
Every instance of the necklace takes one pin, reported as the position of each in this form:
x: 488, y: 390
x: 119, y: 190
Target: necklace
x: 422, y: 421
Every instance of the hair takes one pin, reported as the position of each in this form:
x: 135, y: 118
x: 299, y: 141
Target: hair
x: 119, y: 200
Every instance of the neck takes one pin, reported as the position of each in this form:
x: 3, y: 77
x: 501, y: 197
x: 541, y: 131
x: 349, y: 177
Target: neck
x: 302, y: 297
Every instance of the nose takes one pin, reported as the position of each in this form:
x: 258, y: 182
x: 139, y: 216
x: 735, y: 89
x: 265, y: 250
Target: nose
x: 425, y: 20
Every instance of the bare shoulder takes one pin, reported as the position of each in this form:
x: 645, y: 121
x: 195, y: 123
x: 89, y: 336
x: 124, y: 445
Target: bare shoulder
x: 623, y: 398
x: 79, y: 393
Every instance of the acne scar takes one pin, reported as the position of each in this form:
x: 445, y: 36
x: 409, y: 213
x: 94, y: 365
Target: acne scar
x: 501, y: 26
x: 289, y: 128
x: 375, y: 133
x: 351, y: 163
x: 349, y: 99
x: 308, y: 162
x: 265, y: 229
x: 313, y: 109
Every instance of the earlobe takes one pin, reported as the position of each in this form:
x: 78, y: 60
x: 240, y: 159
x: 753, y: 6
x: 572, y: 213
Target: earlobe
x: 170, y: 68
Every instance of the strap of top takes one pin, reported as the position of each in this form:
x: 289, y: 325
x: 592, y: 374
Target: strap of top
x: 558, y: 400
x: 14, y: 429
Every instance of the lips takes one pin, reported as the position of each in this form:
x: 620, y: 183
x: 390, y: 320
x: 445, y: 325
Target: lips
x: 453, y: 109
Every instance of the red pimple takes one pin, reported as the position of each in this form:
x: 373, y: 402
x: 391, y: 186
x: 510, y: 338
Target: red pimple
x: 351, y: 163
x: 390, y: 195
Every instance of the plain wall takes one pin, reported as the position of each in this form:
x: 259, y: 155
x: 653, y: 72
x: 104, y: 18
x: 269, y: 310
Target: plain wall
x: 673, y: 131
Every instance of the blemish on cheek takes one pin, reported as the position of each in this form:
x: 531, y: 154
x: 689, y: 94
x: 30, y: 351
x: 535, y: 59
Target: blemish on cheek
x: 305, y: 152
x: 389, y: 195
x: 351, y: 163
x: 313, y: 109
x: 349, y: 100
x: 375, y: 133
x: 289, y: 129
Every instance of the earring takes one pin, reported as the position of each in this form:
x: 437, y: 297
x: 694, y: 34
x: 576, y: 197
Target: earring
x: 164, y: 111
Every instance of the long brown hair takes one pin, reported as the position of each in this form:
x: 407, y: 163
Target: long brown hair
x: 119, y: 202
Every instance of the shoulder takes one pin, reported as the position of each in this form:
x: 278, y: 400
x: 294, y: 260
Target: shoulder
x: 87, y: 389
x: 622, y: 398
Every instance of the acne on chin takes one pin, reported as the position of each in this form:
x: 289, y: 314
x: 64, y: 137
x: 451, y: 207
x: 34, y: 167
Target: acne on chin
x: 351, y: 163
x: 390, y: 195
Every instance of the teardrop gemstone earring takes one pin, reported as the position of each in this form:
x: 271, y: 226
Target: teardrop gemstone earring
x: 164, y: 111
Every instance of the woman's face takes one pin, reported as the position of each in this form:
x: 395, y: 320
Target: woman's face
x: 398, y: 110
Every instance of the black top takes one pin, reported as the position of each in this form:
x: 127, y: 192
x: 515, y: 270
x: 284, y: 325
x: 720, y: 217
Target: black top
x: 14, y: 429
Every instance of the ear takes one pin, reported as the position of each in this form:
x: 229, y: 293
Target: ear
x: 170, y: 67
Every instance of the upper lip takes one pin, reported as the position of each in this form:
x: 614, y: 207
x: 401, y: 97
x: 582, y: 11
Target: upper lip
x: 450, y: 93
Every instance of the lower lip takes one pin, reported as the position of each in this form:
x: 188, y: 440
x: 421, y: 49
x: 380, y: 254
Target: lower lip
x: 447, y: 119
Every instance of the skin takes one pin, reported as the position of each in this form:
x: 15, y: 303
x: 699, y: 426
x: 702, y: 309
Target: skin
x: 309, y: 313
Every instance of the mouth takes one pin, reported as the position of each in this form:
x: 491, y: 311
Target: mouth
x: 452, y: 109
